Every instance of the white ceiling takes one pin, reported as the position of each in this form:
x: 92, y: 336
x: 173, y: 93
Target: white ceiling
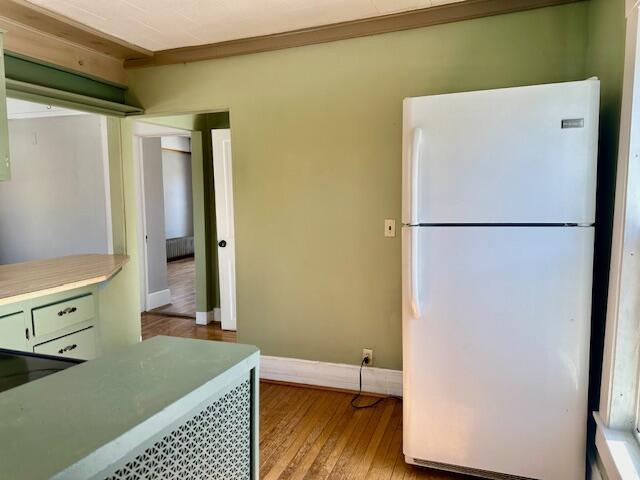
x: 162, y: 24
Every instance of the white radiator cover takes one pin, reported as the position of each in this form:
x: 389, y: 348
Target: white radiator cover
x: 215, y: 443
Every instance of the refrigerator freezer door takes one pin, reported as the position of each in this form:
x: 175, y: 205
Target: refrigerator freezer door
x: 515, y: 155
x: 496, y: 364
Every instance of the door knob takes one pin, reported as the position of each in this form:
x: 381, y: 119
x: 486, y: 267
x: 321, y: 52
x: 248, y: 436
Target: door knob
x: 222, y: 243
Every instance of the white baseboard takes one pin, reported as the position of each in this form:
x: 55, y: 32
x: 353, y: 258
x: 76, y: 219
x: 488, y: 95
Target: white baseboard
x: 204, y: 318
x: 158, y: 299
x: 333, y: 375
x: 217, y: 314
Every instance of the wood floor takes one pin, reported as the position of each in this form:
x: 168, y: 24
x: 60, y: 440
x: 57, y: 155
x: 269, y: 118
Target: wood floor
x: 312, y: 434
x: 181, y: 275
x: 162, y: 324
x: 315, y: 434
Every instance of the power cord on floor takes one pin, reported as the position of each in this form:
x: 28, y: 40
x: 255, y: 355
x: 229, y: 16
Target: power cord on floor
x: 365, y: 361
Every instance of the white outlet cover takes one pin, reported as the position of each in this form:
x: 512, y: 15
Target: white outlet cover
x: 368, y: 352
x: 389, y: 227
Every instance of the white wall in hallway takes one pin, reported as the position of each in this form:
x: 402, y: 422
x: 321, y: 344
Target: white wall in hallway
x: 54, y: 204
x: 178, y: 196
x: 154, y: 215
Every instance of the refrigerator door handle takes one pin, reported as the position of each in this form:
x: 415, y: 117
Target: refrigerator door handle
x: 415, y: 289
x: 416, y: 146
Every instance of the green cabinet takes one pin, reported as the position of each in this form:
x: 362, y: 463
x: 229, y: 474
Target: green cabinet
x: 5, y: 172
x: 61, y: 315
x: 80, y: 345
x: 62, y: 324
x: 13, y: 332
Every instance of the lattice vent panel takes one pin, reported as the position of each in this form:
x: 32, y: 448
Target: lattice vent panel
x: 214, y: 444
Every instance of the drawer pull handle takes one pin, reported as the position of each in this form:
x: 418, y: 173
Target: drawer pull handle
x: 67, y: 310
x: 68, y: 348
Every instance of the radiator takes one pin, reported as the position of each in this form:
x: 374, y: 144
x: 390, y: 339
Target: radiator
x: 179, y: 247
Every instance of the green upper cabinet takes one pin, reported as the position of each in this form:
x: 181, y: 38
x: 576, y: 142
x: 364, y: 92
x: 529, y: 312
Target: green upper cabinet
x: 5, y: 172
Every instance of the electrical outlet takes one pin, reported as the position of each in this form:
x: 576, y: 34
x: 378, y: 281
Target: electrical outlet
x: 367, y: 353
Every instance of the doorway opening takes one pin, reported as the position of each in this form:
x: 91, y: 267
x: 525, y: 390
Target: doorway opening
x: 178, y: 225
x: 187, y: 265
x: 165, y: 219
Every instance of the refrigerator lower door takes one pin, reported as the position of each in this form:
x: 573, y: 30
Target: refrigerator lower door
x: 496, y: 326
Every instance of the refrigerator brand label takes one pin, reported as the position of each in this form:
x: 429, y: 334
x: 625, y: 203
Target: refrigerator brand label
x: 573, y: 123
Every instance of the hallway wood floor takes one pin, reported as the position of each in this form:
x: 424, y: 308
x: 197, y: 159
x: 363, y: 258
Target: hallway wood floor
x: 162, y: 324
x: 181, y: 275
x: 312, y: 434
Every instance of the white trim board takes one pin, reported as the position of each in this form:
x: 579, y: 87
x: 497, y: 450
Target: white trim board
x: 142, y: 128
x: 334, y: 375
x: 158, y: 299
x: 107, y: 181
x: 618, y: 451
x: 618, y: 392
x: 205, y: 318
x: 141, y: 226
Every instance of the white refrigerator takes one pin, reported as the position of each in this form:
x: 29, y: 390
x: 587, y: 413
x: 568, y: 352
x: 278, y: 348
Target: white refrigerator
x: 498, y: 229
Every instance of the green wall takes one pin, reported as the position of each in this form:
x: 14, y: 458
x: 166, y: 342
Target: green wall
x: 316, y: 135
x: 185, y: 122
x: 119, y: 299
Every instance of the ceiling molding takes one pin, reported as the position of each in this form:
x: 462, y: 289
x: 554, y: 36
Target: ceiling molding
x: 39, y: 94
x: 448, y: 13
x: 51, y: 50
x: 45, y: 21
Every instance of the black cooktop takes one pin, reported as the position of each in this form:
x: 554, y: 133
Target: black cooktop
x: 17, y: 368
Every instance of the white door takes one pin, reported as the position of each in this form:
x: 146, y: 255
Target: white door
x: 223, y: 185
x: 514, y: 155
x: 496, y: 348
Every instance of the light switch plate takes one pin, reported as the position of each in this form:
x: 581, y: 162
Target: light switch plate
x: 389, y: 228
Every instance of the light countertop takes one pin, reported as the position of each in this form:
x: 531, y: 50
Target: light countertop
x: 27, y: 280
x: 52, y: 423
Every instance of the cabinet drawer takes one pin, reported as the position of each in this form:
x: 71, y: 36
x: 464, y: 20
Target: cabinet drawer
x: 81, y: 345
x: 12, y: 332
x: 63, y: 314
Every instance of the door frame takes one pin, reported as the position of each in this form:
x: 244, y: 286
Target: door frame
x: 231, y: 322
x: 142, y: 130
x: 107, y: 181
